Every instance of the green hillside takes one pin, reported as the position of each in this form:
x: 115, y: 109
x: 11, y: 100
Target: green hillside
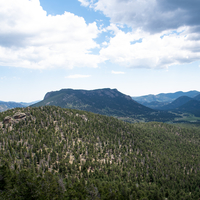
x: 54, y: 153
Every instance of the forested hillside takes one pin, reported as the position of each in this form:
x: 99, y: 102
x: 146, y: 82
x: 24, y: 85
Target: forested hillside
x: 54, y: 153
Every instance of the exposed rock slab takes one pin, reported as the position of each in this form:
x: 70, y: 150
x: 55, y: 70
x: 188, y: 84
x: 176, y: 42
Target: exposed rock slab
x: 15, y: 118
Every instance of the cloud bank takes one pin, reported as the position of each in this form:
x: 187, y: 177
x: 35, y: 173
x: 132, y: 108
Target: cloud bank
x: 149, y: 15
x: 164, y: 33
x: 32, y: 39
x: 142, y: 33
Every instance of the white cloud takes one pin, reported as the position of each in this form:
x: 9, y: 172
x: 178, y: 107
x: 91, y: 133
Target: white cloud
x: 164, y: 33
x: 117, y: 72
x: 150, y: 15
x: 30, y: 38
x: 104, y: 43
x: 141, y: 49
x: 84, y: 2
x: 78, y: 76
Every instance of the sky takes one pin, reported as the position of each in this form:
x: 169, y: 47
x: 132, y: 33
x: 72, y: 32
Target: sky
x: 139, y: 47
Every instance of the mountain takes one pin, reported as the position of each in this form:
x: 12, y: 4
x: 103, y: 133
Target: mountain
x: 154, y: 104
x: 54, y: 153
x: 107, y: 101
x: 29, y: 103
x: 165, y: 97
x: 176, y: 103
x: 9, y: 105
x: 197, y: 97
x: 192, y: 106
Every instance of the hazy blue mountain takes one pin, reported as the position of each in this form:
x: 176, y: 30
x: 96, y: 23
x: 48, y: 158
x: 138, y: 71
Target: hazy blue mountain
x: 107, y: 101
x: 176, y: 103
x: 197, y: 97
x: 154, y: 104
x: 165, y: 97
x: 9, y: 105
x: 190, y: 106
x: 30, y: 103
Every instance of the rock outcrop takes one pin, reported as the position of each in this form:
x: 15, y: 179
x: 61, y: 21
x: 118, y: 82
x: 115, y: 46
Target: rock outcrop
x: 15, y: 118
x: 8, y: 120
x: 19, y: 115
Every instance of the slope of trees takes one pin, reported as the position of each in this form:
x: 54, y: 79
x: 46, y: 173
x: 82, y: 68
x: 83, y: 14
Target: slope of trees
x: 60, y: 153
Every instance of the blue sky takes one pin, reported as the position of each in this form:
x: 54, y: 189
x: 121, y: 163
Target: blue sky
x: 139, y: 47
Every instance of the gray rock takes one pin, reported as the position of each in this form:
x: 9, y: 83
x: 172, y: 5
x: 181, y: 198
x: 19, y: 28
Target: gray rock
x: 19, y: 115
x: 8, y: 120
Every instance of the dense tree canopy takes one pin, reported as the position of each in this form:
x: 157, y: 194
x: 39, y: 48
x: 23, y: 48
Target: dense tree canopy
x: 60, y: 153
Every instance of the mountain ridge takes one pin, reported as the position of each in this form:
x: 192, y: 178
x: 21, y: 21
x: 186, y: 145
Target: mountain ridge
x: 103, y: 101
x: 165, y: 97
x: 180, y: 101
x: 9, y: 105
x: 5, y: 105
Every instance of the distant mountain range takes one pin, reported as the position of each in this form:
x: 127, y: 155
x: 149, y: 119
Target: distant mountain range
x: 187, y: 103
x: 176, y: 103
x: 184, y: 104
x: 111, y: 102
x: 9, y: 105
x: 165, y: 97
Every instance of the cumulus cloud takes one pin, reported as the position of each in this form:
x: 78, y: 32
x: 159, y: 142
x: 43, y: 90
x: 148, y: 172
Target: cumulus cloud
x: 84, y: 2
x: 78, y: 76
x: 151, y: 51
x: 161, y: 34
x: 150, y: 15
x: 117, y: 72
x: 32, y: 39
x: 164, y: 33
